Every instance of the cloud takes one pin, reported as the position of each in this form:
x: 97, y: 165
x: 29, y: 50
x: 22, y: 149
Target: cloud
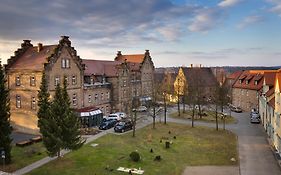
x: 276, y: 8
x: 205, y: 20
x: 250, y: 20
x: 228, y: 3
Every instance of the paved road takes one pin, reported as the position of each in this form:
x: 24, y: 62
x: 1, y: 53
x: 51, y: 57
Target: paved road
x: 256, y: 157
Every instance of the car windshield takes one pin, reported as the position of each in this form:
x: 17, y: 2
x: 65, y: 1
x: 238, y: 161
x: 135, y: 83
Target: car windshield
x: 112, y: 115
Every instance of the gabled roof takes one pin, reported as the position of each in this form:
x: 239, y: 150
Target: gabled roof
x: 100, y: 67
x: 31, y: 59
x: 204, y: 74
x: 272, y: 102
x: 255, y: 76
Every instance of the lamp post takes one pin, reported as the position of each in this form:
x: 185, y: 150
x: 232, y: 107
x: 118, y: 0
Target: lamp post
x: 3, y: 156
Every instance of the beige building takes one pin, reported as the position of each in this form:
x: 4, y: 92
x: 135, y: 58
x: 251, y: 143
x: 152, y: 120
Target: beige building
x: 93, y: 86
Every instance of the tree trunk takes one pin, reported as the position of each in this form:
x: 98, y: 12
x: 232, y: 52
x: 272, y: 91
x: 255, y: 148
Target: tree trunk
x: 179, y: 113
x: 192, y: 117
x: 134, y: 123
x: 200, y: 113
x: 154, y: 116
x: 217, y: 125
x: 224, y: 122
x: 165, y: 110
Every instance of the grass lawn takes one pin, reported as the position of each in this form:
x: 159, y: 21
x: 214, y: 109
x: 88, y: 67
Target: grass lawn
x: 23, y: 156
x: 192, y: 146
x: 211, y: 117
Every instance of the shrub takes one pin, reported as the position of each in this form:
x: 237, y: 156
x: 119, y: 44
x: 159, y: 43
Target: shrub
x: 157, y: 158
x: 135, y: 156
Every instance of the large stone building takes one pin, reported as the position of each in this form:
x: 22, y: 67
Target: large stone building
x: 93, y: 85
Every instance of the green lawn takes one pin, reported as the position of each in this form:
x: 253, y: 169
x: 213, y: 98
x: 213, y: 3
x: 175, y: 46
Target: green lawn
x: 23, y: 156
x: 192, y: 146
x: 211, y: 117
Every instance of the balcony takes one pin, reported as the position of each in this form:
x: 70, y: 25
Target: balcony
x: 97, y: 85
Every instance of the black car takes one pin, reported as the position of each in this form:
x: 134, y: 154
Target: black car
x: 107, y: 124
x: 123, y: 126
x: 255, y: 118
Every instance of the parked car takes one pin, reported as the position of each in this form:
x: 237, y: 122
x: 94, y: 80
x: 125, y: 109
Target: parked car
x: 107, y: 124
x: 236, y: 109
x: 255, y: 118
x: 114, y: 116
x: 140, y: 109
x: 121, y: 114
x: 253, y: 112
x: 123, y: 126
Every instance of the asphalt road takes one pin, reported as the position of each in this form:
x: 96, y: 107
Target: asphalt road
x: 256, y: 157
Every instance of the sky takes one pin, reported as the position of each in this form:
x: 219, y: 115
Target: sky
x: 177, y: 32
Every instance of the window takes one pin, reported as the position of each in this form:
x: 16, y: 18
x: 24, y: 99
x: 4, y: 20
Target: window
x: 96, y: 97
x: 124, y: 83
x: 32, y: 81
x: 240, y: 81
x: 107, y: 109
x: 57, y: 81
x: 17, y: 80
x: 33, y: 103
x: 107, y: 95
x: 247, y: 81
x: 90, y: 98
x: 66, y: 79
x: 18, y: 101
x: 74, y: 100
x: 247, y: 93
x: 65, y: 63
x: 102, y: 96
x: 74, y: 80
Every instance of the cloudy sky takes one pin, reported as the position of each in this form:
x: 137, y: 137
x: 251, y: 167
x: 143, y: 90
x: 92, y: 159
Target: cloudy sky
x: 177, y: 32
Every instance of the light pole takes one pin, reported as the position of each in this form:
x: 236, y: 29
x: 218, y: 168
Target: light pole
x: 3, y: 156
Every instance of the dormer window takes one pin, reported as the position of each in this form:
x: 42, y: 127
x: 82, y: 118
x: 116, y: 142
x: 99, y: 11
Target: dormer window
x: 256, y: 82
x: 65, y: 63
x: 240, y: 81
x: 247, y: 81
x: 18, y: 80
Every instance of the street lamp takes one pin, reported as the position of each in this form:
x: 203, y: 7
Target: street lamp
x: 3, y: 156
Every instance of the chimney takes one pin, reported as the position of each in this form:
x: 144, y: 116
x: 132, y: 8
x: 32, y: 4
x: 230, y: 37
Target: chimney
x: 65, y: 41
x: 26, y: 43
x: 191, y: 65
x: 147, y: 52
x: 119, y: 53
x: 39, y: 47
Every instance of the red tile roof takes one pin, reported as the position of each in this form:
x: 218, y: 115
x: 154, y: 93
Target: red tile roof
x: 136, y: 58
x: 278, y: 76
x: 270, y: 92
x: 235, y: 75
x: 31, y: 59
x: 272, y: 102
x: 269, y: 78
x: 251, y: 84
x: 100, y: 67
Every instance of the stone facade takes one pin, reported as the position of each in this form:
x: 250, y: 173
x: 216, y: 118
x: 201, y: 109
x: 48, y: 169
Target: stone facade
x: 246, y: 99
